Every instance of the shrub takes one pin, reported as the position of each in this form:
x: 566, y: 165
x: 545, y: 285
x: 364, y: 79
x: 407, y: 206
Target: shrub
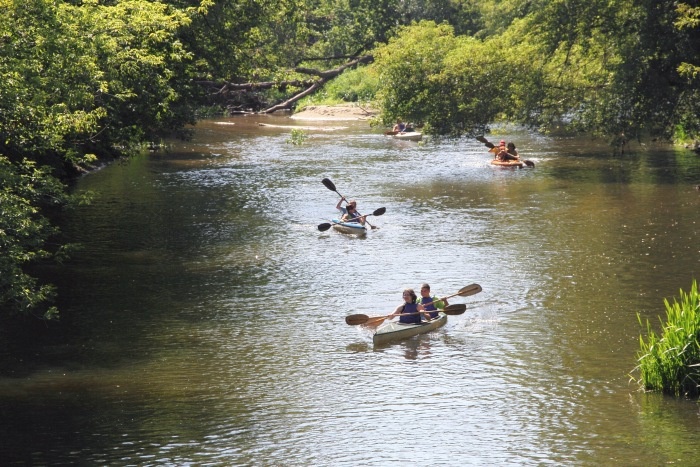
x: 670, y: 362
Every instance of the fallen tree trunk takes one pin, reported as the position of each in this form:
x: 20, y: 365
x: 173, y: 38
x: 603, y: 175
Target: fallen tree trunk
x: 288, y: 103
x: 324, y: 76
x: 224, y: 90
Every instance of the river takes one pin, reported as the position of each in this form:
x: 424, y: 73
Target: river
x: 203, y: 319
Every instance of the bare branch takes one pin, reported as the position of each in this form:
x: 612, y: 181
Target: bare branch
x: 287, y: 104
x: 310, y: 85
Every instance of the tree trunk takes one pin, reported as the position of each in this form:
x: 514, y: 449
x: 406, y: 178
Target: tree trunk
x: 222, y: 90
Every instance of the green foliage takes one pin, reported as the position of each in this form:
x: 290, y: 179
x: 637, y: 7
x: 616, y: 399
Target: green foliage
x: 24, y: 231
x: 688, y: 20
x: 84, y: 79
x: 600, y: 67
x: 452, y: 84
x: 297, y: 137
x: 76, y: 83
x: 45, y: 94
x: 143, y: 76
x: 610, y: 67
x: 670, y: 361
x: 410, y: 68
x: 356, y: 85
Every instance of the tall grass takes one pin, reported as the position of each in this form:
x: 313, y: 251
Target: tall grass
x: 670, y: 362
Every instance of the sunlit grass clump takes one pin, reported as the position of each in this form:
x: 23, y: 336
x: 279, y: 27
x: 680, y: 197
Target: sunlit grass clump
x: 670, y: 362
x: 297, y: 137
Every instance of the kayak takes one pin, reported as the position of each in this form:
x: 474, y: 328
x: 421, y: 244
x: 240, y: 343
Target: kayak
x: 352, y: 228
x: 511, y: 163
x: 393, y: 330
x: 408, y: 136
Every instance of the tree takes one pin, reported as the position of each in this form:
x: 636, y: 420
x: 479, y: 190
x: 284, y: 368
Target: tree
x: 616, y: 67
x: 24, y: 232
x: 79, y: 80
x: 453, y: 84
x: 620, y: 68
x: 76, y: 82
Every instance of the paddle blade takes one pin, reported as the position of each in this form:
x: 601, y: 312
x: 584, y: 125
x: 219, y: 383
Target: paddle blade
x: 457, y: 309
x: 468, y: 290
x: 323, y: 227
x: 379, y: 212
x: 481, y: 139
x: 529, y: 163
x: 354, y: 320
x: 328, y: 184
x: 490, y: 145
x: 374, y: 322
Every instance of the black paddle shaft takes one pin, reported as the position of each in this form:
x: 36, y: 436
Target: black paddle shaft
x: 377, y: 212
x: 331, y: 186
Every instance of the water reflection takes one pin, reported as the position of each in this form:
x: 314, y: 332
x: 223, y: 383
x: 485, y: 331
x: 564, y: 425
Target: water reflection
x: 414, y: 348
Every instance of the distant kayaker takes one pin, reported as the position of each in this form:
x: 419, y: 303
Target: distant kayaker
x: 431, y: 303
x: 512, y: 151
x: 410, y: 306
x: 400, y: 126
x: 349, y: 213
x: 501, y: 152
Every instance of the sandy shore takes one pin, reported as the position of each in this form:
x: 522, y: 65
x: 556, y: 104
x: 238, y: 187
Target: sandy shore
x: 335, y: 112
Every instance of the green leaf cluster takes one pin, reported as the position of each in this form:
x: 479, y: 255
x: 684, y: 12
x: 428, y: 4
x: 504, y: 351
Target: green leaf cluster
x: 77, y: 82
x: 669, y: 362
x: 601, y: 67
x: 82, y: 79
x: 25, y: 190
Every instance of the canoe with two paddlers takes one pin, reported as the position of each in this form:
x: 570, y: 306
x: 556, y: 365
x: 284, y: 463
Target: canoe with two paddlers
x: 388, y: 330
x: 510, y: 160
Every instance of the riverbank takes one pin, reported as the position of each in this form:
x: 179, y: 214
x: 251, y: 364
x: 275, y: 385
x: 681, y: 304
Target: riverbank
x: 350, y: 111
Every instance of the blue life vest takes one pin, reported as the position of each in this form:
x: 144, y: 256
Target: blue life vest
x: 410, y: 319
x: 432, y: 308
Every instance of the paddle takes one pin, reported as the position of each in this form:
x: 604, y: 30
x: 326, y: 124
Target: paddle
x: 451, y: 310
x: 331, y: 186
x: 465, y: 291
x: 490, y: 145
x: 326, y: 225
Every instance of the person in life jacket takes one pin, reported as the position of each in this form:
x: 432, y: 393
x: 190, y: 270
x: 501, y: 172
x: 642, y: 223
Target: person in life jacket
x: 349, y: 213
x: 432, y: 304
x: 410, y: 306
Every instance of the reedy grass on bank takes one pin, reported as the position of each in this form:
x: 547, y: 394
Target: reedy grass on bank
x: 669, y: 362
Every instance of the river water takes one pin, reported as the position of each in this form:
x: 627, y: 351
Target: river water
x: 203, y: 318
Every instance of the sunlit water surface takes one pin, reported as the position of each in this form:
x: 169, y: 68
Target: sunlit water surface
x: 203, y: 320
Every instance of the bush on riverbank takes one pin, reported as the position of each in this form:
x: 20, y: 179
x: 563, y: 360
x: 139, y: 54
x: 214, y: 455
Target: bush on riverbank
x: 359, y: 85
x: 670, y: 362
